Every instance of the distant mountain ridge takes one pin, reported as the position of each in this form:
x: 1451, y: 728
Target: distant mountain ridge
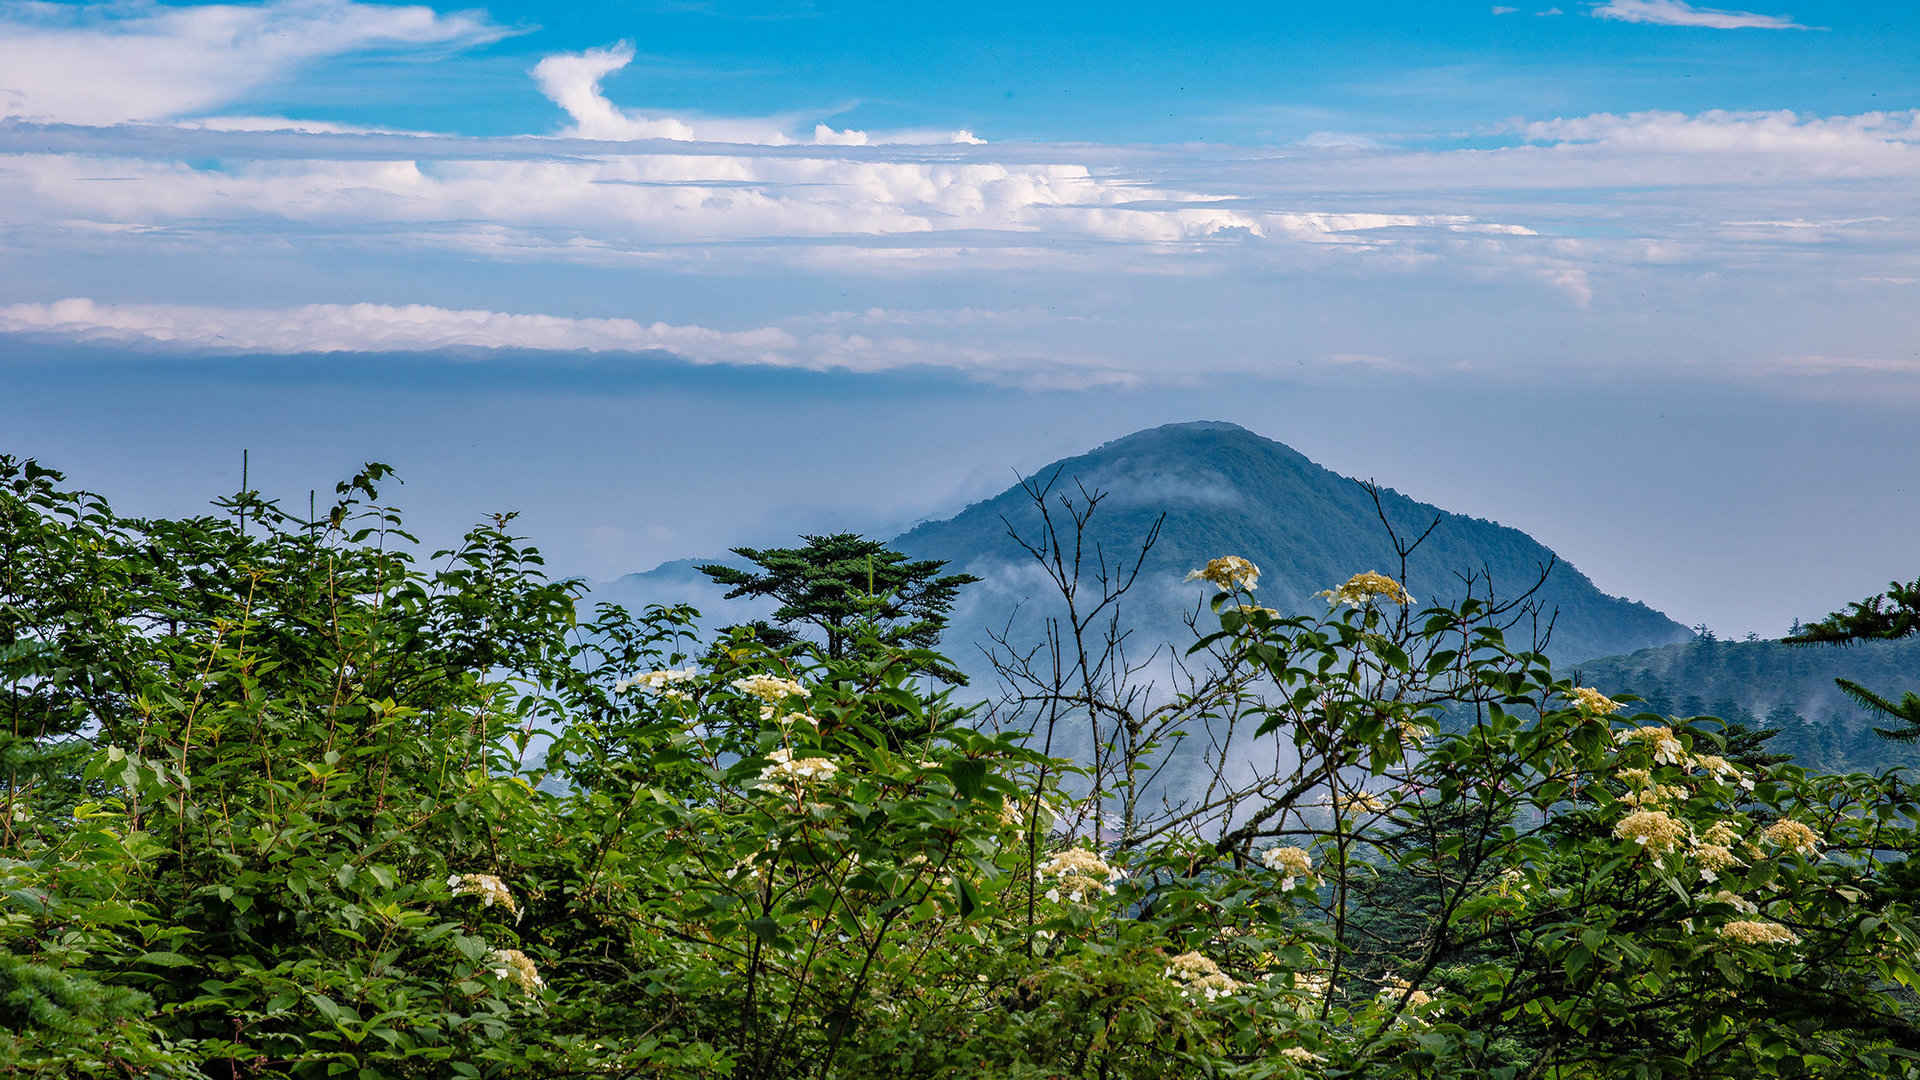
x: 1226, y: 490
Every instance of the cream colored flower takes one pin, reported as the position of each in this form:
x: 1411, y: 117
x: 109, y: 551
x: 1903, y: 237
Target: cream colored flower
x: 787, y: 773
x: 1793, y: 836
x: 1589, y: 700
x: 516, y: 967
x: 1362, y: 588
x: 1735, y: 901
x: 490, y: 889
x: 659, y: 682
x: 771, y: 713
x: 1722, y: 832
x: 1300, y: 1055
x: 1661, y: 740
x: 1655, y: 830
x: 1394, y: 988
x: 1078, y: 875
x: 1751, y: 932
x: 1230, y: 572
x: 1655, y: 795
x: 1292, y: 863
x: 1198, y: 975
x: 1712, y: 859
x: 1313, y: 987
x: 1359, y: 802
x: 771, y: 689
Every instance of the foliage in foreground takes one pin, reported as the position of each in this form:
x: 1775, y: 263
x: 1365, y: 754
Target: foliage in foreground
x: 283, y: 802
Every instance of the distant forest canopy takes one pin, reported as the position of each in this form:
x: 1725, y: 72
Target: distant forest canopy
x: 1769, y: 684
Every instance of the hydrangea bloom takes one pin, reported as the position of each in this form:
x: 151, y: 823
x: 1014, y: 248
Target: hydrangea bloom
x: 1735, y: 901
x: 1793, y: 836
x: 1078, y: 874
x: 786, y: 772
x: 1229, y: 572
x: 1754, y: 932
x: 771, y: 689
x: 771, y: 713
x: 1359, y: 802
x: 516, y: 967
x: 1291, y: 863
x: 1198, y: 975
x: 1655, y: 830
x: 1661, y: 740
x: 661, y: 682
x: 1712, y: 859
x: 1722, y: 832
x: 1589, y: 700
x: 1394, y: 989
x: 1361, y: 588
x: 490, y: 889
x: 1314, y: 987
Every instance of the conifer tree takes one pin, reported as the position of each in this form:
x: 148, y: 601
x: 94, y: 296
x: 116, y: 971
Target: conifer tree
x: 845, y: 584
x: 1886, y: 616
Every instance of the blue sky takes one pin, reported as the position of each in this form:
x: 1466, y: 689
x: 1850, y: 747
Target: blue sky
x: 1641, y: 277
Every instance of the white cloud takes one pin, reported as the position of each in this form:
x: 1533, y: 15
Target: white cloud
x: 418, y: 328
x: 572, y: 81
x: 333, y: 328
x: 1499, y: 10
x: 104, y: 63
x: 1681, y: 13
x: 595, y: 206
x: 1778, y: 131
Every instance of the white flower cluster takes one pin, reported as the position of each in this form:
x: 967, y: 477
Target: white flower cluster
x: 490, y: 889
x: 1079, y: 875
x: 788, y: 773
x: 1755, y: 932
x: 516, y: 967
x: 1360, y: 589
x: 1229, y: 572
x: 1792, y: 835
x: 663, y: 683
x: 1198, y: 975
x: 771, y: 689
x: 1394, y: 989
x: 1661, y: 740
x: 1589, y: 700
x: 1292, y: 863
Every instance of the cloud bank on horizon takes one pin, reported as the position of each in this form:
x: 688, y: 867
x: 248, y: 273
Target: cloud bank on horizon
x: 170, y: 142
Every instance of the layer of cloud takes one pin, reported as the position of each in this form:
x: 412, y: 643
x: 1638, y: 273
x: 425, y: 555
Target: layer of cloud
x: 1681, y: 13
x: 572, y: 81
x: 104, y: 63
x: 320, y: 329
x: 1877, y: 134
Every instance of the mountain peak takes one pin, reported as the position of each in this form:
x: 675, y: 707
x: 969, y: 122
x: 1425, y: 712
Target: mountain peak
x: 1226, y: 490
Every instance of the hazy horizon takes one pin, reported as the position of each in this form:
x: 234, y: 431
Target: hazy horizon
x: 1638, y: 277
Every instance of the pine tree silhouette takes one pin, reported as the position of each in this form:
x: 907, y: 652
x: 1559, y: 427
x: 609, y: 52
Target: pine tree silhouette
x: 1883, y: 616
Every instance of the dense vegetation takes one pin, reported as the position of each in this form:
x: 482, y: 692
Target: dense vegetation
x: 284, y: 800
x: 1784, y: 687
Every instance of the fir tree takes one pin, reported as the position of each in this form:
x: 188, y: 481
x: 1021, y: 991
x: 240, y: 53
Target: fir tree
x: 1884, y: 616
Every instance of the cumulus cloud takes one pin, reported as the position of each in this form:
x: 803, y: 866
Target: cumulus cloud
x: 105, y: 63
x: 1681, y: 13
x: 572, y: 81
x: 595, y: 206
